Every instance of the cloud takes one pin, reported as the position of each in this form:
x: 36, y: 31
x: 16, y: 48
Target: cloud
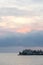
x: 28, y: 8
x: 20, y: 12
x: 23, y: 29
x: 35, y: 38
x: 37, y: 1
x: 20, y: 24
x: 14, y: 12
x: 21, y: 16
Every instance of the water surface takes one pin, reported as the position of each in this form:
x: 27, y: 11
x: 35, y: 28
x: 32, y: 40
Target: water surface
x: 14, y: 59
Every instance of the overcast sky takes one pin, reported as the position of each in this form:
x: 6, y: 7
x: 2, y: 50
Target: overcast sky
x: 21, y: 23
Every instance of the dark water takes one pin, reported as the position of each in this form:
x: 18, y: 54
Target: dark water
x: 14, y: 59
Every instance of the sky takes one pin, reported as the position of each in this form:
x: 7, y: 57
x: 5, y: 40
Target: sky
x: 21, y: 23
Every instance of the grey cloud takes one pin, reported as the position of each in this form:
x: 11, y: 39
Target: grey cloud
x: 12, y: 12
x: 21, y: 2
x: 27, y: 2
x: 35, y: 6
x: 37, y: 1
x: 34, y: 38
x: 18, y: 12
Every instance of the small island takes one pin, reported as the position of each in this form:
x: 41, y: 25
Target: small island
x: 31, y: 52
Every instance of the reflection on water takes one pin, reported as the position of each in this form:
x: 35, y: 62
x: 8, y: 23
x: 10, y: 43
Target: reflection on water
x: 14, y: 59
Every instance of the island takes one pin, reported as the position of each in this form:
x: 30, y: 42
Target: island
x: 31, y: 52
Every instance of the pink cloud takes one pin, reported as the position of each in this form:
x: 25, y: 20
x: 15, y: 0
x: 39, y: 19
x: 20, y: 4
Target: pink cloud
x: 24, y: 29
x: 13, y: 24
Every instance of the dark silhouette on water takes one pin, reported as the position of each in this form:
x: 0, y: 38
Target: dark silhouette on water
x: 31, y: 52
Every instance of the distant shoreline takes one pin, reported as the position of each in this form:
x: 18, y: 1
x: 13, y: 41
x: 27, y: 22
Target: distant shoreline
x: 31, y: 52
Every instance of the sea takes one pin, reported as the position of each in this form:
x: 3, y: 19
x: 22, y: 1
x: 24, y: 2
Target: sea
x: 15, y: 59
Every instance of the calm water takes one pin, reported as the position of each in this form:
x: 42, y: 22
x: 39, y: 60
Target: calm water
x: 13, y: 59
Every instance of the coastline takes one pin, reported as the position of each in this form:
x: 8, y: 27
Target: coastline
x: 31, y: 52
